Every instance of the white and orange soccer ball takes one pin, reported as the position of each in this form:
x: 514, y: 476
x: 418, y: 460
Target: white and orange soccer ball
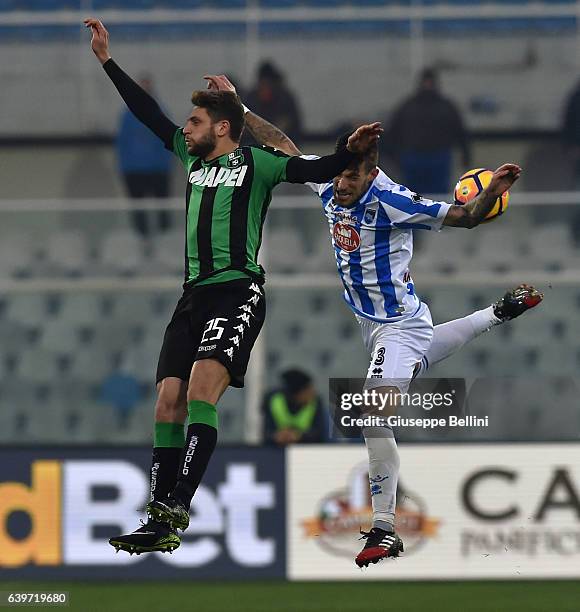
x: 471, y: 184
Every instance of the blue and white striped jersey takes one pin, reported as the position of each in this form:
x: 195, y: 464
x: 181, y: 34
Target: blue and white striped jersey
x: 373, y: 246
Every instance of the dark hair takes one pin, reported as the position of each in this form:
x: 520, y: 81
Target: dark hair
x: 267, y: 70
x: 370, y: 158
x: 222, y: 106
x: 429, y: 74
x: 295, y: 380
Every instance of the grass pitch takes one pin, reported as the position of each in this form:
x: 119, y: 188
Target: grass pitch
x: 278, y: 596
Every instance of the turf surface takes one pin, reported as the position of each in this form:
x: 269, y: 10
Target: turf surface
x: 277, y: 596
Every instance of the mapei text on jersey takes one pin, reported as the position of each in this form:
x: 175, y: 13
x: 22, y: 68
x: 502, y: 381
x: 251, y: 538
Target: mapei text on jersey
x: 212, y: 177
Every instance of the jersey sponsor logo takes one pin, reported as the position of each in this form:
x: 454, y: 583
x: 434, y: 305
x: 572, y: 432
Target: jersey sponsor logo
x: 213, y: 177
x: 345, y: 217
x: 210, y: 347
x: 346, y: 237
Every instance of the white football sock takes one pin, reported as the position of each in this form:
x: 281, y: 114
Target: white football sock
x: 384, y: 465
x: 449, y: 337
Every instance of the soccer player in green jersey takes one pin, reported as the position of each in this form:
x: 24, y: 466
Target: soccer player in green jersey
x: 207, y: 344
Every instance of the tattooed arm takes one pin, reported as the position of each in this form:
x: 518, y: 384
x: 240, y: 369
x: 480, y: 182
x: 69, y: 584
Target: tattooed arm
x: 266, y: 133
x: 263, y: 131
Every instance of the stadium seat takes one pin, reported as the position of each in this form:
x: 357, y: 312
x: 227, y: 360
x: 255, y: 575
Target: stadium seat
x: 37, y: 366
x: 90, y: 367
x: 279, y: 3
x: 58, y: 338
x: 67, y: 253
x: 182, y: 4
x: 82, y: 308
x: 28, y: 310
x: 284, y: 250
x: 499, y: 248
x: 122, y: 252
x: 45, y: 5
x: 166, y: 258
x: 100, y: 5
x: 442, y: 252
x: 18, y: 255
x: 226, y: 4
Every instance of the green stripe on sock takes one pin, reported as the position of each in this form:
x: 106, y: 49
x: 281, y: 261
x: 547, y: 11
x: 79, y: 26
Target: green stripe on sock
x: 202, y: 412
x: 169, y: 435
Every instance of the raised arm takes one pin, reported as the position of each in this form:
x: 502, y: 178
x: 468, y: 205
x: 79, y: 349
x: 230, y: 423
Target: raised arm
x: 474, y: 212
x: 139, y: 102
x: 263, y: 131
x: 301, y: 170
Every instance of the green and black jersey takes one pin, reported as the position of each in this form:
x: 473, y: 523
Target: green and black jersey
x: 227, y: 198
x: 226, y: 202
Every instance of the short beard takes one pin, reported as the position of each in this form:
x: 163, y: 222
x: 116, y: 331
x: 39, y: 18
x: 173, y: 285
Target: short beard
x: 204, y: 147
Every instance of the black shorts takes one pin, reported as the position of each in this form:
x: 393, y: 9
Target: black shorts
x: 221, y: 322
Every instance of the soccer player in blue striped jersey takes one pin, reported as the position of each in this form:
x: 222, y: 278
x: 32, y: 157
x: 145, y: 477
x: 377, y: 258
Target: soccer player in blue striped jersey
x: 371, y: 220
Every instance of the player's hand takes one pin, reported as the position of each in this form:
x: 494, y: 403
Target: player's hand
x: 503, y: 178
x: 364, y: 137
x: 219, y: 83
x: 100, y: 40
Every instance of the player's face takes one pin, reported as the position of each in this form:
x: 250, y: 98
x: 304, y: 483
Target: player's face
x: 351, y: 184
x: 199, y: 133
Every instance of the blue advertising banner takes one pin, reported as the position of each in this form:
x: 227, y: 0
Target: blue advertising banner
x: 58, y: 507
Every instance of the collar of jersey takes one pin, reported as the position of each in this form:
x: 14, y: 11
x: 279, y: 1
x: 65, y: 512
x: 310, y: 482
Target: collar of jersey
x: 213, y: 161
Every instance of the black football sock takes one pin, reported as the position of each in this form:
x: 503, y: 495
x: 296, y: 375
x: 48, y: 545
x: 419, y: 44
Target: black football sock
x: 167, y: 450
x: 200, y: 443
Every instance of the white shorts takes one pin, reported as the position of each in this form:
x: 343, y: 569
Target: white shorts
x: 396, y: 348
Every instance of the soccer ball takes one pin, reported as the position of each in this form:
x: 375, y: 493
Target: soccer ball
x: 471, y: 184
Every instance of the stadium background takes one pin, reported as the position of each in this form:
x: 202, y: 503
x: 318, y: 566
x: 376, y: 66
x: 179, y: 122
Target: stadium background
x: 82, y: 294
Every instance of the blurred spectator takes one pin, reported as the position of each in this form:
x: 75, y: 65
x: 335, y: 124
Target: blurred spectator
x: 571, y: 138
x: 293, y: 413
x: 571, y: 130
x: 422, y: 133
x: 271, y: 99
x: 145, y: 166
x: 122, y: 392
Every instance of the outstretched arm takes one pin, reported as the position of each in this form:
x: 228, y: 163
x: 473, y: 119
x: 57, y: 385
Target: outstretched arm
x: 263, y: 131
x: 139, y: 102
x: 324, y: 169
x: 301, y: 170
x: 474, y: 212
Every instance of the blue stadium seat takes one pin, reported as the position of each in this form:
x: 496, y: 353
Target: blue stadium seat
x: 226, y: 4
x: 279, y: 3
x: 123, y: 4
x: 322, y: 3
x: 7, y: 5
x: 181, y: 4
x: 46, y: 5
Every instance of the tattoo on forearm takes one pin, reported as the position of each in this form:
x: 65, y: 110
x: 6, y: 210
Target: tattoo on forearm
x: 268, y: 134
x: 481, y: 206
